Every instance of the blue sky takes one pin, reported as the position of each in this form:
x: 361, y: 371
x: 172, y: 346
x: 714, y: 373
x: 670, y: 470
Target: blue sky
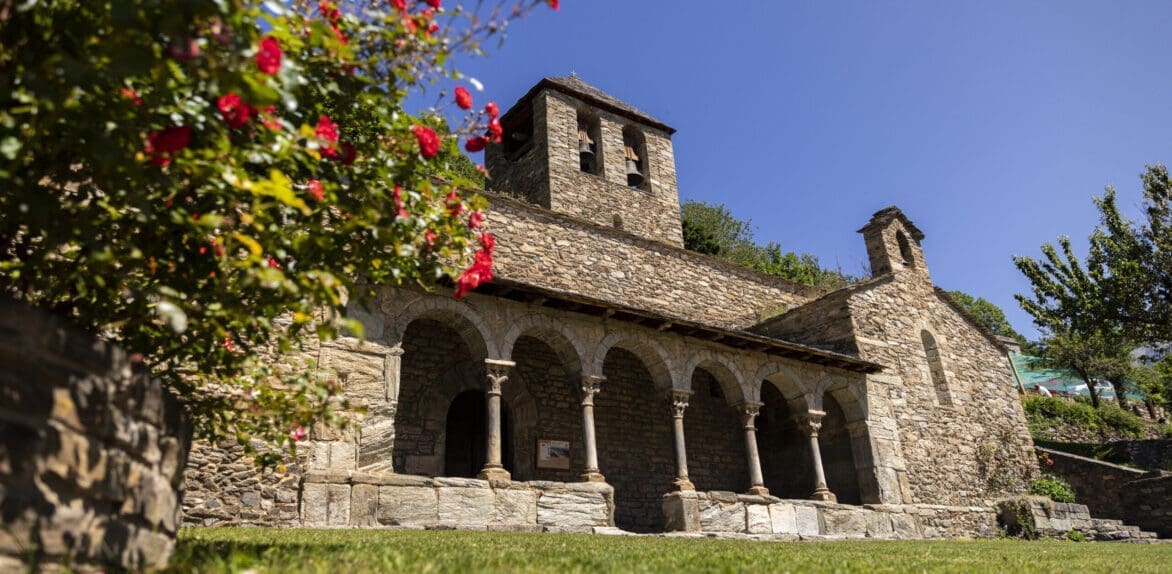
x: 991, y: 124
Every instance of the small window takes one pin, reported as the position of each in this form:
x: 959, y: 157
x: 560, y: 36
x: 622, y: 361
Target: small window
x: 518, y: 134
x: 905, y: 249
x: 589, y: 158
x: 936, y: 368
x: 635, y: 149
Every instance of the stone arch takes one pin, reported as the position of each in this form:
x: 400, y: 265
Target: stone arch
x: 789, y: 382
x: 847, y: 447
x: 732, y: 382
x: 472, y: 328
x: 654, y: 358
x: 851, y: 398
x: 565, y: 342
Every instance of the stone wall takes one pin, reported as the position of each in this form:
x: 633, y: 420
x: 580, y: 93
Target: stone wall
x: 224, y: 487
x: 1113, y: 491
x: 575, y: 256
x: 730, y: 513
x: 369, y: 500
x: 92, y: 454
x: 716, y: 439
x: 1154, y: 454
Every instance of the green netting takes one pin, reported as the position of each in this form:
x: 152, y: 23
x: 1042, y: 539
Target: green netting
x: 1061, y: 382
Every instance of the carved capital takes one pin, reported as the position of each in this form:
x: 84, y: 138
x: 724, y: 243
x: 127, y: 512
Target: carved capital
x: 749, y: 412
x: 396, y: 351
x: 497, y: 374
x: 679, y: 402
x: 810, y: 423
x: 590, y: 387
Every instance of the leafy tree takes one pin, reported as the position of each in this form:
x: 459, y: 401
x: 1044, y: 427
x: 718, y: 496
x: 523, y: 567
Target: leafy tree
x: 199, y: 181
x: 988, y: 314
x: 714, y: 230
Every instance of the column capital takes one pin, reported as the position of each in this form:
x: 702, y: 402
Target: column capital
x: 591, y: 384
x: 679, y: 402
x: 498, y: 374
x: 396, y: 351
x: 810, y: 422
x: 749, y: 412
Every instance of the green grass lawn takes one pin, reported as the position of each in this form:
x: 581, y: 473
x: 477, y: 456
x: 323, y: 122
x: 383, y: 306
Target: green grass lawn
x: 344, y: 551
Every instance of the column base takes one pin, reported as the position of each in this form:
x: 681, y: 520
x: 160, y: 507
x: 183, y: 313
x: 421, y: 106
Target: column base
x: 592, y: 476
x: 824, y: 495
x: 683, y: 484
x: 494, y: 475
x: 758, y: 490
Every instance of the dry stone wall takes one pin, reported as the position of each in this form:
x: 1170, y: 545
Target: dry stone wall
x: 1143, y: 498
x: 564, y: 253
x: 92, y: 453
x: 225, y: 488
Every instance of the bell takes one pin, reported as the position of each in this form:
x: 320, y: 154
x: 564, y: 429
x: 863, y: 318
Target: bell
x: 634, y: 176
x: 585, y: 155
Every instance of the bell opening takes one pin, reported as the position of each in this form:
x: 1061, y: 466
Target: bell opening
x: 634, y: 176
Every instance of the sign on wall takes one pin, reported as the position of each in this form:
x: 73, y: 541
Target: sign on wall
x: 553, y: 454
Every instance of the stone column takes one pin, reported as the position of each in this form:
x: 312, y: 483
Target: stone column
x: 810, y: 423
x: 590, y: 386
x: 749, y: 412
x: 392, y: 365
x: 679, y: 402
x: 498, y: 375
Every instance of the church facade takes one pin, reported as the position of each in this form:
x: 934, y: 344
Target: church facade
x: 609, y: 378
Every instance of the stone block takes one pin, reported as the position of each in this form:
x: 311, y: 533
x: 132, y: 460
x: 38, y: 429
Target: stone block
x: 514, y: 507
x: 783, y: 519
x: 342, y: 456
x: 844, y: 522
x: 757, y: 520
x: 338, y: 513
x: 407, y: 506
x: 904, y: 526
x: 314, y: 505
x: 681, y: 512
x: 718, y: 516
x: 578, y: 511
x: 806, y: 518
x: 879, y: 524
x: 464, y: 505
x: 364, y: 505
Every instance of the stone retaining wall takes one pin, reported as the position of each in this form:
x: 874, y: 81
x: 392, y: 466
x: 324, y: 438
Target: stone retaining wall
x: 92, y: 451
x: 366, y: 500
x: 1154, y: 454
x: 731, y: 513
x: 1114, y: 491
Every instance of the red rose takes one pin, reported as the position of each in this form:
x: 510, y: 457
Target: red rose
x: 400, y: 5
x: 298, y: 434
x: 268, y: 119
x: 491, y: 109
x: 463, y: 98
x: 476, y: 219
x: 495, y: 130
x: 475, y: 144
x: 432, y: 28
x: 130, y: 94
x: 400, y: 209
x: 349, y: 153
x: 316, y: 190
x: 435, y: 3
x: 274, y: 263
x: 479, y: 272
x: 428, y: 142
x: 328, y: 11
x: 235, y: 112
x: 327, y: 131
x: 411, y: 26
x: 487, y: 241
x: 455, y: 206
x: 268, y: 57
x: 161, y: 146
x: 552, y: 4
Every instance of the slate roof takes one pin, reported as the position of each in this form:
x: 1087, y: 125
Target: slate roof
x: 890, y: 213
x: 574, y: 86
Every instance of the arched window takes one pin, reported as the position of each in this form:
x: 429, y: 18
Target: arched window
x: 518, y: 133
x: 589, y: 134
x: 936, y: 368
x: 635, y: 149
x: 905, y: 249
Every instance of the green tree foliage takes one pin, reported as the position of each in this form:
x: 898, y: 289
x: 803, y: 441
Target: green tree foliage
x: 1123, y: 298
x: 202, y: 181
x: 988, y: 314
x: 714, y: 230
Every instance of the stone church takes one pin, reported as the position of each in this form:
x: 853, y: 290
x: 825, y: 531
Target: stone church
x: 609, y: 378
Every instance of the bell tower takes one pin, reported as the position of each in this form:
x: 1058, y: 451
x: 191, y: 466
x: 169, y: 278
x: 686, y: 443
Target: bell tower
x: 571, y: 148
x: 893, y: 244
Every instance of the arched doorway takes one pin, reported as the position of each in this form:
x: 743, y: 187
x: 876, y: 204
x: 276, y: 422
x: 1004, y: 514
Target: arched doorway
x: 784, y: 450
x: 465, y: 436
x: 715, y: 436
x: 838, y: 459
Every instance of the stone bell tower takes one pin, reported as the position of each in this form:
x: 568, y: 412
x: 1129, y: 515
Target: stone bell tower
x: 893, y: 244
x: 573, y: 149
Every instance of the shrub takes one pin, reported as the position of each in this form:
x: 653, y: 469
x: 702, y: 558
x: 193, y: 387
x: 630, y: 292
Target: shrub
x: 1053, y: 487
x: 1075, y: 536
x: 1047, y: 412
x: 1117, y: 419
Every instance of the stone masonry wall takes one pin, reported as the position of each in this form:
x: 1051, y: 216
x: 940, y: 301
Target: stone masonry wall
x: 940, y: 435
x: 225, y: 488
x: 525, y: 175
x: 635, y: 451
x: 555, y: 251
x: 1113, y: 491
x: 716, y: 439
x: 92, y: 451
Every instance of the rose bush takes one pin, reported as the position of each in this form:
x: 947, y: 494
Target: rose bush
x: 208, y: 182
